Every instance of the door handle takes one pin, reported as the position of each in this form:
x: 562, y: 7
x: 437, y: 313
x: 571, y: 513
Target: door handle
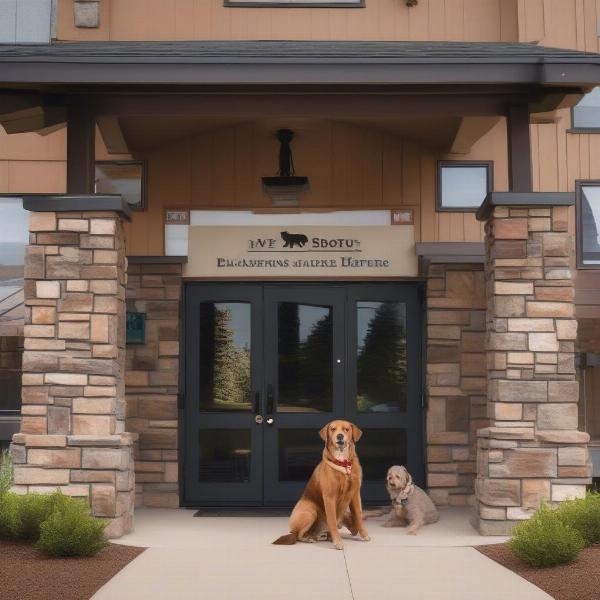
x: 270, y: 399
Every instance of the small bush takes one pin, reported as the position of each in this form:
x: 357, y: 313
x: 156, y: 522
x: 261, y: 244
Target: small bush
x: 33, y: 509
x: 72, y: 531
x: 6, y: 472
x: 583, y: 515
x: 545, y: 541
x: 10, y: 518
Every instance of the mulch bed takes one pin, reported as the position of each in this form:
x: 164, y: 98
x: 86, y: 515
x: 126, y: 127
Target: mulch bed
x: 27, y: 574
x: 579, y: 580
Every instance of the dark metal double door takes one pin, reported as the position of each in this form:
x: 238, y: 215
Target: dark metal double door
x: 267, y: 365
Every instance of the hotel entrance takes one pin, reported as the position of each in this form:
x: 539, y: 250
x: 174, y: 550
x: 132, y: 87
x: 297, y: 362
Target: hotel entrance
x: 268, y: 364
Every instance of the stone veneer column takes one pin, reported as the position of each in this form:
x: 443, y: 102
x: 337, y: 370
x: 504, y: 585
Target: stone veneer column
x: 456, y: 379
x: 72, y: 429
x: 532, y: 451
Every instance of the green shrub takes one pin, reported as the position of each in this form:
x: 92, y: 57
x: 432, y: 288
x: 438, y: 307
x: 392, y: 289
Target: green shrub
x: 10, y: 518
x: 34, y: 509
x: 6, y: 472
x: 583, y: 515
x: 72, y: 531
x: 545, y: 541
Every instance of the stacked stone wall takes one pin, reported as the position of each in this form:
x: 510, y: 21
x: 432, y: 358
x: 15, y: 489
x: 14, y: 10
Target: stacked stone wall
x: 72, y: 434
x: 152, y: 382
x: 532, y: 451
x: 456, y: 379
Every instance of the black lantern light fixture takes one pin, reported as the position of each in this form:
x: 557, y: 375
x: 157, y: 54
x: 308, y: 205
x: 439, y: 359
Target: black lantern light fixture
x: 286, y: 188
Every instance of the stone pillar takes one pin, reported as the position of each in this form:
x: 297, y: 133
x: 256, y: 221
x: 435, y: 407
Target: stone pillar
x: 72, y: 429
x: 532, y: 451
x: 456, y: 379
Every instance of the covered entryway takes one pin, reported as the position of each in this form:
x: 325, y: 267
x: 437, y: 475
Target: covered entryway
x: 268, y: 364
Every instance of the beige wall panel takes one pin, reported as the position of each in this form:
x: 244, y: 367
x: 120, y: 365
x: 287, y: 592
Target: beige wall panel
x: 509, y: 20
x: 37, y: 176
x: 32, y: 146
x: 475, y: 20
x: 590, y: 21
x: 3, y: 176
x: 482, y: 20
x: 531, y: 15
x: 548, y: 159
x: 348, y: 166
x: 428, y: 214
x: 561, y: 154
x: 391, y: 169
x: 579, y: 24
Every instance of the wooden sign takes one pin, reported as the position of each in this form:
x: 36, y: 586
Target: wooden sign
x: 301, y: 251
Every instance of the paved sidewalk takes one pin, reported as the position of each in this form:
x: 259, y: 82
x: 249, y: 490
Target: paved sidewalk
x: 231, y: 558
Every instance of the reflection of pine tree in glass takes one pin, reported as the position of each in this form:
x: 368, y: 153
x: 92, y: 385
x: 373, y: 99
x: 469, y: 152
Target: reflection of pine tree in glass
x: 288, y: 347
x: 231, y: 366
x: 317, y: 364
x: 382, y: 359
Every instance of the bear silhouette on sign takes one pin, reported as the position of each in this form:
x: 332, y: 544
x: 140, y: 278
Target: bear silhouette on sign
x: 293, y: 239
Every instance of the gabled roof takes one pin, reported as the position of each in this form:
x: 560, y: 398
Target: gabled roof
x: 296, y: 62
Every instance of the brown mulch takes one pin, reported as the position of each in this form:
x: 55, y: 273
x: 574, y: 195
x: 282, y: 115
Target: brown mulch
x: 579, y: 580
x: 27, y: 574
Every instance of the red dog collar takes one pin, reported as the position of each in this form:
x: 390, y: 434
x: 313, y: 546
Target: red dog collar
x: 346, y: 464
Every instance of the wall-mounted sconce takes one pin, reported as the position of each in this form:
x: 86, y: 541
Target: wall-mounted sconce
x: 287, y: 187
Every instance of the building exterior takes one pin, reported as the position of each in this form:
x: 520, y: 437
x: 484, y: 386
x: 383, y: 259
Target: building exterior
x: 193, y: 305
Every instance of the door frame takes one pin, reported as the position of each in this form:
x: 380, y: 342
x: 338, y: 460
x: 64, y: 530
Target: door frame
x: 418, y: 283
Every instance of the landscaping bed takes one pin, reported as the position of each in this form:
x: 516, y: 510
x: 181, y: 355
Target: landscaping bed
x: 579, y: 580
x: 27, y: 574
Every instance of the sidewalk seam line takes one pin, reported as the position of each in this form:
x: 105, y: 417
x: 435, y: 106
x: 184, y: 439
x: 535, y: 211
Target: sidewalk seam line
x: 348, y: 574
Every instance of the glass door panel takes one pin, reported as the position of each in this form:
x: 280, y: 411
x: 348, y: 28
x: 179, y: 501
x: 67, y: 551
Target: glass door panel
x: 380, y: 356
x: 304, y: 370
x: 224, y: 362
x: 383, y: 380
x: 304, y: 357
x: 224, y: 384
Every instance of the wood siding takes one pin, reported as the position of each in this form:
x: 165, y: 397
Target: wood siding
x: 475, y: 20
x: 348, y: 167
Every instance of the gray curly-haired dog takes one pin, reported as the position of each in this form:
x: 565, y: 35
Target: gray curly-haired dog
x: 410, y: 504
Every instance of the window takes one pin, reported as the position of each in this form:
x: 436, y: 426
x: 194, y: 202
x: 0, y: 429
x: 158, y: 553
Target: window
x: 463, y: 185
x: 14, y: 236
x: 125, y: 177
x: 586, y: 115
x: 297, y: 3
x: 588, y: 224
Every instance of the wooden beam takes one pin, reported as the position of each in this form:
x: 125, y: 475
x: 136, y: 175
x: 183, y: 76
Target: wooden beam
x: 470, y: 130
x: 33, y: 119
x: 519, y: 148
x: 297, y: 105
x: 110, y: 130
x: 80, y: 149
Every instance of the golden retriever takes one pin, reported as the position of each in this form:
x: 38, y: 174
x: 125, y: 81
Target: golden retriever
x: 333, y: 487
x: 410, y: 504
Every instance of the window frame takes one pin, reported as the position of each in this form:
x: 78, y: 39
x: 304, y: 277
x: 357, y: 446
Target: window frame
x: 488, y: 164
x: 304, y: 4
x: 144, y: 182
x: 579, y: 185
x: 574, y: 128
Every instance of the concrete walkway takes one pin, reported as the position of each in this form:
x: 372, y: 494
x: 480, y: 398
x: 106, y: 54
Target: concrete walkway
x: 231, y: 558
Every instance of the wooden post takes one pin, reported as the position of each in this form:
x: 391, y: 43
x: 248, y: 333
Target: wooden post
x: 80, y: 149
x: 519, y: 148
